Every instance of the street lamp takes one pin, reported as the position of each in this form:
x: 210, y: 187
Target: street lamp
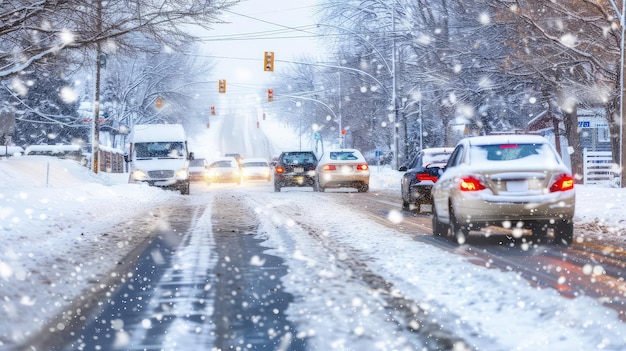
x: 298, y: 103
x: 391, y: 70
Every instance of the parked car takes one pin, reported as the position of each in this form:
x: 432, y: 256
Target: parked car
x: 420, y: 174
x: 295, y: 169
x: 512, y: 181
x: 343, y: 168
x: 255, y: 169
x: 223, y: 170
x: 197, y: 167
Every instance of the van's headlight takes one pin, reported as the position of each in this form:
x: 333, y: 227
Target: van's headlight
x: 182, y: 174
x: 139, y: 175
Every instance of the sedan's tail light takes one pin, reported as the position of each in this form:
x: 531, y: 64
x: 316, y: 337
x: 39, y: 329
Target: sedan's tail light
x: 362, y: 167
x: 279, y: 169
x: 563, y: 183
x: 470, y: 184
x: 329, y: 168
x: 425, y: 176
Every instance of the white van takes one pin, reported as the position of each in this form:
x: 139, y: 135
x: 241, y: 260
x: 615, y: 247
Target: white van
x: 159, y: 156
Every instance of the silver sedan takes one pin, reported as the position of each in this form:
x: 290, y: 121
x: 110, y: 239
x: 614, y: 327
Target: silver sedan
x: 343, y: 168
x: 518, y: 182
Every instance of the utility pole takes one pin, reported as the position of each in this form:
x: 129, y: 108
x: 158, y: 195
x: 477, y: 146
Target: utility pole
x: 396, y: 129
x: 341, y: 136
x: 95, y: 141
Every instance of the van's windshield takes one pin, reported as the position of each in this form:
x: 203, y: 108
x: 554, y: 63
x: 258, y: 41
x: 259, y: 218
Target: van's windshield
x: 170, y: 149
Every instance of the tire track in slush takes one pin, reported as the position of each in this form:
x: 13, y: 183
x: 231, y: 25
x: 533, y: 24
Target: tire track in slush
x: 405, y: 314
x: 250, y: 301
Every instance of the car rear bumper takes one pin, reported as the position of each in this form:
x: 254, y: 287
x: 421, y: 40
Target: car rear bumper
x: 343, y: 180
x: 287, y: 180
x: 519, y: 208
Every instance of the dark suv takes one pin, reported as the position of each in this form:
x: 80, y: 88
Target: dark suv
x: 295, y: 169
x: 420, y: 175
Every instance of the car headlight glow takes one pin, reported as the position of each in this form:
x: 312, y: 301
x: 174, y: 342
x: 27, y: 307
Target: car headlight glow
x: 182, y: 174
x: 139, y: 175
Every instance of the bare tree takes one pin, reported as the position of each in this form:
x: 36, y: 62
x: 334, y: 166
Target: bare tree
x: 133, y: 85
x: 569, y: 49
x: 54, y: 26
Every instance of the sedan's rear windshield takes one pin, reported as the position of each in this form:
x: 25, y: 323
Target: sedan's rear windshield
x: 429, y: 159
x: 298, y: 157
x: 531, y: 153
x: 343, y: 156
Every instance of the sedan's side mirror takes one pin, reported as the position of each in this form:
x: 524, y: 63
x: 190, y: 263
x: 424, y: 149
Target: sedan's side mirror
x: 190, y: 156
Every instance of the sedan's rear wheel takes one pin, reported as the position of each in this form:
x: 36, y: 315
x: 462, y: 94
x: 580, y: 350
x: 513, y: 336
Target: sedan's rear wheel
x: 459, y: 231
x: 439, y: 229
x: 363, y: 188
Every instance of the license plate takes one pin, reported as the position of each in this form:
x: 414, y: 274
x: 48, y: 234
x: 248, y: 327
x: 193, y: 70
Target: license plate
x: 517, y: 185
x: 298, y: 169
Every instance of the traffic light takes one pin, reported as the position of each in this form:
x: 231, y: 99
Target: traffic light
x: 268, y: 61
x: 212, y: 110
x: 222, y: 86
x: 270, y: 95
x: 159, y: 102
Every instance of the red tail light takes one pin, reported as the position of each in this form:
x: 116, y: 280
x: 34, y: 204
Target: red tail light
x: 563, y: 183
x: 280, y: 169
x: 425, y: 176
x: 329, y: 168
x: 470, y: 184
x: 362, y: 167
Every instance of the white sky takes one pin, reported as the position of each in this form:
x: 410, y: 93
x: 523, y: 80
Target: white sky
x: 272, y: 25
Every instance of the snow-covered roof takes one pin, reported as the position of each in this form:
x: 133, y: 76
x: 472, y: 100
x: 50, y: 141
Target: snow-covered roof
x: 52, y: 149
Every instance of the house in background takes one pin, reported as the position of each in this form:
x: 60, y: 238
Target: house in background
x: 594, y: 130
x: 593, y: 125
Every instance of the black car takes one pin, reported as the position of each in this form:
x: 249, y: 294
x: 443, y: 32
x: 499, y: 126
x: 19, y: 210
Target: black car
x: 420, y: 175
x: 295, y: 169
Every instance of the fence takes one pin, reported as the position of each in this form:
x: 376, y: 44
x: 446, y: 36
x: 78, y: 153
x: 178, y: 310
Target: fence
x: 111, y: 160
x: 597, y: 167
